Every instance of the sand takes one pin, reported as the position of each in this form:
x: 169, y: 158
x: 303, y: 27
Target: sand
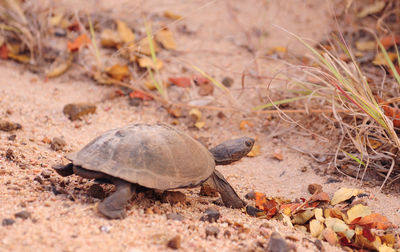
x: 69, y: 221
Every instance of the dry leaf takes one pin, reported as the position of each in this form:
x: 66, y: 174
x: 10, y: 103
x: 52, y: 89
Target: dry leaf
x: 80, y: 41
x: 389, y: 41
x: 381, y: 60
x: 171, y: 15
x: 385, y: 248
x: 166, y: 39
x: 278, y: 155
x: 330, y: 236
x: 60, y: 66
x: 316, y: 228
x: 180, y: 81
x: 195, y: 114
x: 140, y: 95
x: 375, y: 7
x: 200, y: 80
x: 125, y: 33
x: 23, y: 58
x: 375, y: 220
x: 118, y: 72
x: 145, y: 62
x: 344, y: 194
x: 366, y: 45
x: 144, y: 47
x: 339, y: 226
x: 4, y: 51
x: 110, y: 38
x: 199, y: 124
x: 255, y: 151
x: 357, y: 211
x: 303, y: 217
x: 393, y: 114
x: 321, y: 196
x: 150, y: 85
x: 175, y: 111
x: 246, y: 125
x: 366, y: 239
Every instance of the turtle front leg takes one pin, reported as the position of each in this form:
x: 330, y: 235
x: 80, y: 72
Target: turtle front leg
x: 228, y: 194
x: 114, y: 205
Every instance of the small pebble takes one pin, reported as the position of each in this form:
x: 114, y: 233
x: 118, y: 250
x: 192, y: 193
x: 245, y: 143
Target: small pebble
x: 227, y: 233
x: 227, y: 81
x: 206, y: 89
x: 46, y: 173
x: 75, y: 111
x: 96, y: 191
x: 7, y: 222
x: 210, y: 215
x: 212, y: 231
x: 135, y: 102
x: 12, y: 137
x: 218, y: 202
x: 9, y: 126
x: 58, y: 143
x: 23, y: 215
x: 174, y: 243
x: 39, y: 179
x: 255, y: 212
x: 313, y: 188
x: 173, y: 197
x: 10, y: 154
x: 277, y: 243
x: 207, y: 190
x: 175, y: 216
x: 250, y: 195
x: 60, y: 32
x: 105, y: 229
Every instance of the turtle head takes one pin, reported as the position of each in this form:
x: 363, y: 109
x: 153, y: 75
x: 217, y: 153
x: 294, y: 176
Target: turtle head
x: 232, y: 150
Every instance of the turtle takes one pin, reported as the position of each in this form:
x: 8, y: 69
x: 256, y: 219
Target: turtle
x: 153, y: 156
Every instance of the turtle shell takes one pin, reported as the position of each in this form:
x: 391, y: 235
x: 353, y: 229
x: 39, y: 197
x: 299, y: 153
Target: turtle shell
x: 155, y: 156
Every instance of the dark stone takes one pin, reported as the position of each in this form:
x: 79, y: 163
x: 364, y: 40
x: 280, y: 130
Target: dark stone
x: 10, y: 154
x: 210, y: 215
x: 252, y: 211
x: 96, y: 191
x: 12, y: 137
x: 23, y: 215
x: 46, y: 173
x: 227, y: 81
x: 250, y: 195
x: 60, y: 32
x: 7, y: 222
x: 277, y: 243
x: 9, y: 126
x: 313, y: 188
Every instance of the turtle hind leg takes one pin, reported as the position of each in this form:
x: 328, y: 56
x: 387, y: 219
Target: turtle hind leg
x: 114, y: 205
x: 64, y: 170
x: 228, y: 194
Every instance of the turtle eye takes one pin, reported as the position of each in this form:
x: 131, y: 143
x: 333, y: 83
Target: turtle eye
x: 249, y: 142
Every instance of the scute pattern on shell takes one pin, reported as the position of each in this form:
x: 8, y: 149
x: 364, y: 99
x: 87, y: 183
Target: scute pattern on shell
x: 155, y: 156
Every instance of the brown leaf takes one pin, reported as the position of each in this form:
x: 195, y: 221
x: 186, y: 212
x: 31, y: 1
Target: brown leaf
x: 393, y: 114
x: 321, y: 196
x: 60, y: 65
x: 145, y: 62
x: 375, y: 7
x: 118, y: 72
x: 144, y: 47
x: 166, y: 39
x: 389, y: 41
x: 330, y: 236
x: 110, y: 38
x: 125, y: 33
x: 4, y: 51
x: 366, y: 45
x: 180, y: 81
x: 171, y: 15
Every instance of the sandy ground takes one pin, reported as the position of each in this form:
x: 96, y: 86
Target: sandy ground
x: 71, y: 223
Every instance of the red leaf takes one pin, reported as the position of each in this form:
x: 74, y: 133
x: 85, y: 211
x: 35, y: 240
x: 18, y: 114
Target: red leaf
x: 180, y: 81
x: 367, y: 234
x: 4, y: 51
x: 389, y: 41
x: 321, y: 196
x: 74, y: 26
x: 392, y: 113
x: 200, y: 80
x: 140, y: 95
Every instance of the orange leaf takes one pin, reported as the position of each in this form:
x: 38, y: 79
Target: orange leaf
x: 180, y: 81
x: 140, y: 95
x: 376, y: 220
x: 78, y: 43
x: 260, y: 200
x: 392, y: 113
x: 4, y: 51
x: 291, y: 206
x: 246, y: 125
x: 389, y: 41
